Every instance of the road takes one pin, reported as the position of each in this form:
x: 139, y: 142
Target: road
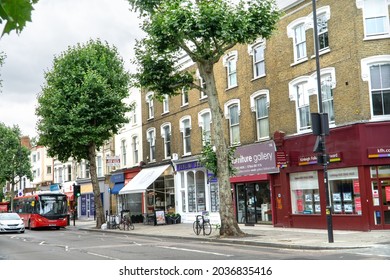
x: 67, y: 244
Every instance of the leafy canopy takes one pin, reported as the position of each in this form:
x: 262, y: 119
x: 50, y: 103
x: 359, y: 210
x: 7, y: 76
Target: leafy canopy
x: 82, y: 101
x: 14, y: 159
x: 15, y: 14
x: 202, y: 29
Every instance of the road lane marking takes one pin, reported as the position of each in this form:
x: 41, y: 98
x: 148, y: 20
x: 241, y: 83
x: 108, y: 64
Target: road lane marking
x: 102, y: 256
x: 195, y: 251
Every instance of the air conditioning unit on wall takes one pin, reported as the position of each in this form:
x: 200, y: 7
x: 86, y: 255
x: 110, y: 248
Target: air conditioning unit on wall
x: 175, y: 156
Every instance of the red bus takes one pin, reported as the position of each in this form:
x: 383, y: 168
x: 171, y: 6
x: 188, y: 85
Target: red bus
x: 49, y: 209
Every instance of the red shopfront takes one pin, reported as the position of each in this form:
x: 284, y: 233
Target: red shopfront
x: 358, y: 180
x: 251, y: 185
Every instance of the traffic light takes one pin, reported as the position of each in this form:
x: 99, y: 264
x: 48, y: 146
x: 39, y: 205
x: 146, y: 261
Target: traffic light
x: 76, y: 191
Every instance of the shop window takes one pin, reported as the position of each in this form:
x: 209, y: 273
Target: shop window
x: 380, y: 171
x: 345, y: 191
x: 305, y: 196
x: 196, y: 191
x: 214, y: 197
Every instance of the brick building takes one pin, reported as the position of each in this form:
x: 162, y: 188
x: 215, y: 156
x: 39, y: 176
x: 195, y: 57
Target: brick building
x: 268, y: 91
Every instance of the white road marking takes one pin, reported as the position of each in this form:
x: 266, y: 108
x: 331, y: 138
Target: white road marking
x: 195, y: 251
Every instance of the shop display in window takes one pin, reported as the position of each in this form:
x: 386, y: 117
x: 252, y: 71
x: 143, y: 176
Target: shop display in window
x: 345, y: 189
x: 348, y: 208
x: 336, y: 197
x: 337, y: 208
x: 347, y: 196
x: 317, y: 208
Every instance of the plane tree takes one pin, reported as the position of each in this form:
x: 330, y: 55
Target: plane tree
x: 82, y: 105
x: 204, y: 30
x: 14, y: 159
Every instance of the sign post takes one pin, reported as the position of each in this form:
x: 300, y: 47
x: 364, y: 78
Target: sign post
x: 321, y: 128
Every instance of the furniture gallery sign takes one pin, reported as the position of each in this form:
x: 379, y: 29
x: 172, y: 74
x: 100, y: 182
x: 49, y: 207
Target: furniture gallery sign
x: 255, y: 159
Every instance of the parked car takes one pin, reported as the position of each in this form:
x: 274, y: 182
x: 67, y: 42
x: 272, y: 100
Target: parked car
x: 11, y: 222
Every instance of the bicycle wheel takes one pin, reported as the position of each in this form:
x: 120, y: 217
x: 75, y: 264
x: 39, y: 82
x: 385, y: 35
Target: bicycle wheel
x: 122, y: 225
x: 206, y: 228
x: 196, y: 226
x: 131, y: 226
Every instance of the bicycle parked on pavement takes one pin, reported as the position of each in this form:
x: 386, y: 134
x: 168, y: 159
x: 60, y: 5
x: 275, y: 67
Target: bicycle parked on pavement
x: 202, y: 224
x: 126, y: 223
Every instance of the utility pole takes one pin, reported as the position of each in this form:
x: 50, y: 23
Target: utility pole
x: 321, y: 129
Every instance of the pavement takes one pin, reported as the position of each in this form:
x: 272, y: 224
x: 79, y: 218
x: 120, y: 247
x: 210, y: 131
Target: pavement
x: 258, y: 235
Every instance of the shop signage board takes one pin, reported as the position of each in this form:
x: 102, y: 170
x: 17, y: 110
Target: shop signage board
x: 256, y: 158
x: 113, y: 161
x: 379, y: 152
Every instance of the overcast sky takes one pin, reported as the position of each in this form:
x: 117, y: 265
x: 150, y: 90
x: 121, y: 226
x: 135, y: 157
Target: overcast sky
x: 57, y: 24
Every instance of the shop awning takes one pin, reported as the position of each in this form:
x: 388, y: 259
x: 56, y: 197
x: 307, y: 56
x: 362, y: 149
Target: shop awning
x: 143, y: 179
x: 117, y: 187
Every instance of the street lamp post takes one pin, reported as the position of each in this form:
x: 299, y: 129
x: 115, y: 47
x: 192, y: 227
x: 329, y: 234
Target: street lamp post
x: 323, y: 124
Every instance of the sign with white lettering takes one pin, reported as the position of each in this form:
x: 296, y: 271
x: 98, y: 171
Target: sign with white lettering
x: 255, y: 159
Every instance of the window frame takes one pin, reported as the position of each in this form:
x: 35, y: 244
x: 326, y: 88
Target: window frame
x: 202, y: 125
x: 165, y: 104
x: 253, y: 104
x: 294, y: 97
x: 227, y: 108
x: 167, y: 142
x: 231, y: 73
x: 150, y: 105
x: 186, y: 134
x: 260, y: 43
x: 135, y: 144
x: 366, y: 64
x: 123, y: 152
x: 151, y: 139
x: 360, y: 4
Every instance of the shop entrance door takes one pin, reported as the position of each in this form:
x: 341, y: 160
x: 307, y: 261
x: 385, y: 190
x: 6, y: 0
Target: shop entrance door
x: 253, y: 203
x: 381, y: 203
x: 250, y: 205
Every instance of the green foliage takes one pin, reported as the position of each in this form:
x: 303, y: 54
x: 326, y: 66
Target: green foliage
x: 82, y: 102
x: 14, y: 159
x: 15, y: 14
x: 202, y: 29
x: 209, y: 159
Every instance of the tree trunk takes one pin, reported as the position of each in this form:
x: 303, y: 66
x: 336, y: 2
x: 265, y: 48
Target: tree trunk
x: 229, y: 225
x: 99, y: 212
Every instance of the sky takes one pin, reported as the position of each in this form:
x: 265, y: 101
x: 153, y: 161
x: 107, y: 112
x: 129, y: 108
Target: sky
x: 56, y: 25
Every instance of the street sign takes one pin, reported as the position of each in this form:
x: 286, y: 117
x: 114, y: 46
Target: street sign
x: 113, y: 161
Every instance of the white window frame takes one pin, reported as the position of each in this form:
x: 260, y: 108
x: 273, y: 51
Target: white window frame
x: 186, y: 134
x: 135, y: 148
x: 123, y: 152
x: 326, y: 73
x: 229, y: 60
x: 291, y: 33
x: 150, y: 103
x: 293, y: 87
x: 165, y: 104
x: 205, y: 127
x: 384, y: 13
x: 366, y: 63
x: 184, y: 97
x: 167, y: 142
x: 261, y: 93
x: 260, y: 43
x: 227, y: 107
x: 151, y: 139
x: 133, y: 116
x: 99, y: 165
x: 202, y: 84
